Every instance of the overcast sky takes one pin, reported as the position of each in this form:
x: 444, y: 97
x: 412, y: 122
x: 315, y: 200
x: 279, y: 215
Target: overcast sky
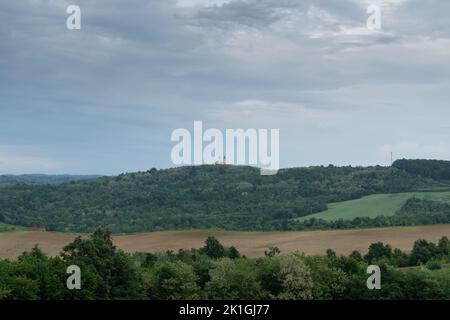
x: 105, y: 99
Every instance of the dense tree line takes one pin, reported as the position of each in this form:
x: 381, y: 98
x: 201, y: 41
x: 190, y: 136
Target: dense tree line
x: 217, y: 272
x: 435, y: 169
x: 413, y: 213
x: 38, y: 179
x: 225, y: 197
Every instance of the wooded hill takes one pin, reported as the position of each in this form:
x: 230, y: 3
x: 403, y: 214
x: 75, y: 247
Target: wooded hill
x: 220, y: 197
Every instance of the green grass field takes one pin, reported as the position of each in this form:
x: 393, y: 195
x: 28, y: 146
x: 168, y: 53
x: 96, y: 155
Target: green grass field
x: 375, y: 205
x: 8, y: 227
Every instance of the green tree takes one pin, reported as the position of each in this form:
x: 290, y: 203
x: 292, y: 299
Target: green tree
x: 423, y: 251
x: 233, y: 253
x: 4, y: 293
x: 213, y: 248
x: 268, y: 275
x: 112, y: 271
x: 174, y: 280
x: 272, y: 252
x: 49, y: 273
x: 329, y: 281
x: 356, y: 255
x: 378, y: 250
x: 234, y: 280
x: 444, y: 246
x: 296, y: 280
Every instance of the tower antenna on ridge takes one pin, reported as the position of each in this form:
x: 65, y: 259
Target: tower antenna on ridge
x: 392, y: 158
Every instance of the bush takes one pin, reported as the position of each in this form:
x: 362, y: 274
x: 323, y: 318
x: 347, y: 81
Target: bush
x: 433, y: 265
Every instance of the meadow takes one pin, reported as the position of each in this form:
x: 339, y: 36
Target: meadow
x: 375, y: 205
x: 4, y: 227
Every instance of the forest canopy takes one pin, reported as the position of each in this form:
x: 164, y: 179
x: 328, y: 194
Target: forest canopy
x: 219, y: 197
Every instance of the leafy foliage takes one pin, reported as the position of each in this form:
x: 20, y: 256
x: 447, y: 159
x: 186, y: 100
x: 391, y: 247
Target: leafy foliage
x: 108, y: 273
x: 37, y: 179
x: 435, y: 169
x: 196, y: 197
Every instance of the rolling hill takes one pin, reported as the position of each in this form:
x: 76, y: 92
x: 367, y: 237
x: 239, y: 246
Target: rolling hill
x: 215, y: 197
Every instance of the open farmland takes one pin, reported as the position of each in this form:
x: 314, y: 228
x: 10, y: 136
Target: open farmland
x: 375, y: 205
x: 252, y: 244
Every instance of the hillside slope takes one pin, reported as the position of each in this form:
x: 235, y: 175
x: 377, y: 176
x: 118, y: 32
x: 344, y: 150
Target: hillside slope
x: 221, y: 197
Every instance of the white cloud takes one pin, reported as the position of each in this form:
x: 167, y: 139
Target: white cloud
x: 388, y: 5
x: 191, y: 3
x: 274, y: 114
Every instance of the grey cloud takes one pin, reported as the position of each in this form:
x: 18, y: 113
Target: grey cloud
x: 263, y: 13
x: 139, y: 69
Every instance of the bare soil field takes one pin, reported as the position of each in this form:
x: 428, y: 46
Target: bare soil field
x: 252, y: 244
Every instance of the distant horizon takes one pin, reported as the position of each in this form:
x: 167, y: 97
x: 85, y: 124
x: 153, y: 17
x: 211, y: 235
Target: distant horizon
x: 175, y: 167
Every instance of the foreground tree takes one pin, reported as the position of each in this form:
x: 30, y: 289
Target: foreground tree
x: 173, y: 280
x: 296, y: 280
x: 111, y: 272
x: 377, y: 251
x: 234, y: 279
x: 213, y: 248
